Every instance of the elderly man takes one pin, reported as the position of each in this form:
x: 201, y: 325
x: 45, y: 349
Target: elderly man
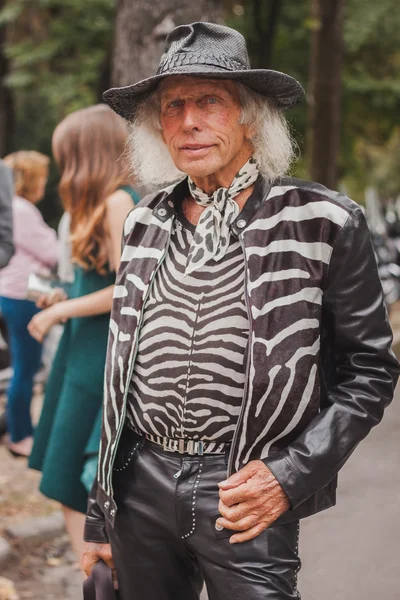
x: 249, y: 349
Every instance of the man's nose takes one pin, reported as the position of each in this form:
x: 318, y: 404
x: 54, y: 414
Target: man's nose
x: 191, y: 117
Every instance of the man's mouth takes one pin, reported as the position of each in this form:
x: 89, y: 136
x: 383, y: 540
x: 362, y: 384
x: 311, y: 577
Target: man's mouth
x: 195, y: 149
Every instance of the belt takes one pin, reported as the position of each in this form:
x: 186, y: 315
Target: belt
x: 184, y: 446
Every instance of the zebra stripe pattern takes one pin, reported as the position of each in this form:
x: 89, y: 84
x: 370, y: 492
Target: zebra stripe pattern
x: 287, y: 245
x: 188, y: 378
x: 285, y: 276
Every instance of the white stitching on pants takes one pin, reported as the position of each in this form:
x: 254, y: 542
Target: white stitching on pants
x: 299, y: 566
x: 130, y: 456
x: 194, y: 498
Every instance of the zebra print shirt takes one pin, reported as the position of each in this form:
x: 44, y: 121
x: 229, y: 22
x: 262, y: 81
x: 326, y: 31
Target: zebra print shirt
x: 189, y: 373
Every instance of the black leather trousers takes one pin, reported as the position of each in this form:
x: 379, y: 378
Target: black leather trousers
x: 165, y: 543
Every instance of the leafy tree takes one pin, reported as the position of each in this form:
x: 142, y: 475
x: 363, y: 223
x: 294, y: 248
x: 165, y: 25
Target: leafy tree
x: 371, y: 92
x: 55, y: 57
x: 58, y: 52
x: 370, y: 82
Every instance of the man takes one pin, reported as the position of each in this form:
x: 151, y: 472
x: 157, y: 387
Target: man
x: 249, y: 349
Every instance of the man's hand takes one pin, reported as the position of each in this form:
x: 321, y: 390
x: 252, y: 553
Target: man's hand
x: 250, y: 500
x: 92, y: 553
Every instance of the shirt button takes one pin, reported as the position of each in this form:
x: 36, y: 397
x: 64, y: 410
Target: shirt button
x: 170, y: 203
x: 218, y: 527
x: 162, y: 212
x: 241, y: 223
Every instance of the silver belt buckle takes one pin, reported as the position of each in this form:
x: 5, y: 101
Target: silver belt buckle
x: 190, y: 446
x: 200, y: 450
x: 181, y: 447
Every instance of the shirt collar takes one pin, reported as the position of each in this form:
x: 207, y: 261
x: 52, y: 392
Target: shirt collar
x: 166, y: 207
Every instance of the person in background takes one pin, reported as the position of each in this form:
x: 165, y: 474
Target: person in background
x: 6, y: 195
x: 96, y: 193
x: 65, y: 277
x: 6, y: 252
x: 35, y: 251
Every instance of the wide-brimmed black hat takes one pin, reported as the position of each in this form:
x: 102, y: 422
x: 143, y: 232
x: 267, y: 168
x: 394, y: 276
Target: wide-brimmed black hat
x: 212, y: 51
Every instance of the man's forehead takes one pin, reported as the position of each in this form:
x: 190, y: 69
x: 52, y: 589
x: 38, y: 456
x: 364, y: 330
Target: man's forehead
x: 181, y: 84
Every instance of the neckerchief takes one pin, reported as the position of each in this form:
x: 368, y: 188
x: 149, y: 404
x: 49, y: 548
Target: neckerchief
x: 212, y: 235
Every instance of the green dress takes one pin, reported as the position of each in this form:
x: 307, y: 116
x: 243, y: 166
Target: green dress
x: 69, y: 427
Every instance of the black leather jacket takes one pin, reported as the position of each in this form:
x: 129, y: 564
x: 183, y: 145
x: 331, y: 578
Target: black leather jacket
x: 320, y: 366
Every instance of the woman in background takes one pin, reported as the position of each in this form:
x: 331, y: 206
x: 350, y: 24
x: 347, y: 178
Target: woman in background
x: 35, y: 251
x: 95, y: 190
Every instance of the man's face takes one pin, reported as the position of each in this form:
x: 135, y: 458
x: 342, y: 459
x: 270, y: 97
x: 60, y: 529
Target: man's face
x: 200, y: 124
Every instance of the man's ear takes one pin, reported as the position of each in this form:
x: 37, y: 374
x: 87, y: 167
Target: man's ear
x: 250, y: 132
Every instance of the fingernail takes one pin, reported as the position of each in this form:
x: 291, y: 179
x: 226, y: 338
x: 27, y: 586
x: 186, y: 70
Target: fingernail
x: 232, y: 541
x: 222, y: 482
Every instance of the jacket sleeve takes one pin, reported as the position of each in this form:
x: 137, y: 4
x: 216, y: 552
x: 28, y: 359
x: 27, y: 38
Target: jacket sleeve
x: 95, y: 523
x: 366, y: 368
x: 6, y: 234
x: 36, y: 238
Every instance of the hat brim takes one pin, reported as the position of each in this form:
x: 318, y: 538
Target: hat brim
x: 283, y: 89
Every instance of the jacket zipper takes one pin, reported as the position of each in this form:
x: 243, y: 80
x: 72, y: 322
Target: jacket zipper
x: 235, y: 436
x: 133, y: 362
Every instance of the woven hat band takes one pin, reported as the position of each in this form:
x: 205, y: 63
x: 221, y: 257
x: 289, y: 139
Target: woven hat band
x: 193, y: 58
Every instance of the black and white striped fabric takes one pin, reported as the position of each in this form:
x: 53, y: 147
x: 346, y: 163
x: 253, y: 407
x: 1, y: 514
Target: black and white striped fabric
x: 288, y: 240
x: 212, y: 236
x: 189, y: 373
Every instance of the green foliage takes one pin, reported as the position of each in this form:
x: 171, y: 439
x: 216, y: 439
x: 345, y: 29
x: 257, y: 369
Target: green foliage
x: 371, y: 82
x: 371, y: 94
x: 59, y: 52
x: 60, y: 46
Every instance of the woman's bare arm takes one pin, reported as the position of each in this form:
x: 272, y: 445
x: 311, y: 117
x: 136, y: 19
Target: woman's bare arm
x: 119, y: 205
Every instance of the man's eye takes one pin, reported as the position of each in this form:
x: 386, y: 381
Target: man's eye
x: 212, y: 100
x: 174, y: 104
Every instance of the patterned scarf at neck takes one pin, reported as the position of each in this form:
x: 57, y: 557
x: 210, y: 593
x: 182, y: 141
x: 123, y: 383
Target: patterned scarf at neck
x: 212, y: 235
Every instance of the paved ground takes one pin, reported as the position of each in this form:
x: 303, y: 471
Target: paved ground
x: 351, y: 552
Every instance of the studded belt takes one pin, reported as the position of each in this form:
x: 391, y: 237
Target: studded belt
x: 184, y: 446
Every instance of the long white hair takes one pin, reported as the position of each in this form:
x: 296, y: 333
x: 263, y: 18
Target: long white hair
x: 274, y: 148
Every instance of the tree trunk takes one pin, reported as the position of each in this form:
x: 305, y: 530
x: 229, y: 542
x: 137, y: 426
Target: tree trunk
x: 7, y: 113
x: 325, y: 89
x: 141, y: 29
x: 104, y: 81
x: 265, y: 23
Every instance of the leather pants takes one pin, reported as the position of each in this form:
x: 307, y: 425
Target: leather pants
x: 165, y: 544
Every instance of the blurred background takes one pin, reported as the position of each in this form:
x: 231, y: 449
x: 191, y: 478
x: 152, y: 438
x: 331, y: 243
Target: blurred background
x: 60, y: 55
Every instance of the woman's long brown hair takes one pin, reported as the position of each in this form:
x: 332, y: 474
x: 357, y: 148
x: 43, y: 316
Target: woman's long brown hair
x: 88, y: 146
